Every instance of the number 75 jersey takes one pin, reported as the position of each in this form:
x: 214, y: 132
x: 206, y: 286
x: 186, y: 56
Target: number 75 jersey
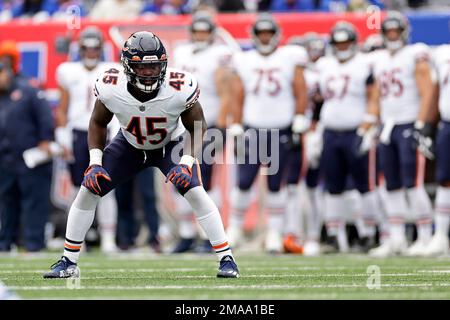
x: 152, y: 124
x: 268, y: 85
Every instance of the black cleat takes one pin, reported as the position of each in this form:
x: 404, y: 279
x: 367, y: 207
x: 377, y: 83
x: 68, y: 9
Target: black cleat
x: 228, y: 268
x: 185, y: 245
x: 64, y: 268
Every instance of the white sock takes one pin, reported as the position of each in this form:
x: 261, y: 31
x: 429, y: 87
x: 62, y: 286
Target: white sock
x: 423, y: 212
x: 313, y: 219
x: 396, y: 208
x: 335, y: 209
x: 107, y: 217
x: 276, y: 206
x: 240, y: 201
x: 187, y: 227
x: 442, y: 217
x: 81, y: 216
x: 210, y: 220
x: 293, y: 219
x: 367, y: 221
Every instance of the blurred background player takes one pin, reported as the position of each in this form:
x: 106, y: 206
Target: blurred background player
x: 348, y: 114
x: 315, y: 46
x: 25, y: 122
x: 404, y: 75
x: 270, y: 93
x: 127, y: 228
x: 439, y: 244
x: 209, y: 63
x: 76, y: 81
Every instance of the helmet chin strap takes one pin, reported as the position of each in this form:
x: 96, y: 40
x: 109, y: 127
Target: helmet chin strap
x: 201, y: 45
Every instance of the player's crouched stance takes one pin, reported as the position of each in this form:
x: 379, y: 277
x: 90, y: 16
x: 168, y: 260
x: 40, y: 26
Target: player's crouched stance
x: 148, y: 106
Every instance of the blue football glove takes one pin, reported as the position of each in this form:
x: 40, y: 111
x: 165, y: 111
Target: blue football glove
x: 180, y: 175
x: 91, y: 177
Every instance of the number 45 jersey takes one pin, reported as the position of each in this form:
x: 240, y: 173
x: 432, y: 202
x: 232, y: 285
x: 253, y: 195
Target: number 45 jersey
x: 152, y: 124
x: 268, y: 84
x: 399, y: 97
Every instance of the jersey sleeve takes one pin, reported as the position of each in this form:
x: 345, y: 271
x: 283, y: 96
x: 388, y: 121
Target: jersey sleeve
x: 421, y: 53
x: 62, y: 71
x: 103, y: 90
x: 224, y: 56
x: 297, y: 55
x: 190, y: 91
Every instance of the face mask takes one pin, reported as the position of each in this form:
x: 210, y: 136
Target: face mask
x: 90, y: 63
x: 394, y: 45
x: 200, y: 45
x: 344, y: 55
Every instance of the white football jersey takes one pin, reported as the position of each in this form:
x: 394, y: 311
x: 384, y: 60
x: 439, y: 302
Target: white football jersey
x: 399, y: 97
x: 203, y: 65
x: 441, y: 61
x: 268, y: 84
x: 343, y: 87
x: 152, y: 124
x: 79, y: 82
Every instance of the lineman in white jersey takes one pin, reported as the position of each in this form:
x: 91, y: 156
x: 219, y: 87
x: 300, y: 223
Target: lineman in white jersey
x: 208, y: 62
x: 271, y: 97
x: 439, y: 244
x: 76, y: 81
x: 155, y: 106
x: 348, y: 116
x: 405, y: 85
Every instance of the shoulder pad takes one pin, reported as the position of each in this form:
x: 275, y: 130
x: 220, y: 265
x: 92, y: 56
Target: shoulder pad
x: 185, y: 85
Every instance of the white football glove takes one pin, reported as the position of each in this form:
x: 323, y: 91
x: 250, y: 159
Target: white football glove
x: 63, y: 137
x: 367, y: 139
x: 300, y: 124
x: 313, y: 148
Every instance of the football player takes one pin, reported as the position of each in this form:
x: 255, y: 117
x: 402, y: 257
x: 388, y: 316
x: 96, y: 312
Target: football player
x: 348, y: 116
x: 439, y: 243
x: 155, y: 105
x: 207, y: 61
x: 76, y: 81
x: 405, y: 85
x: 271, y: 97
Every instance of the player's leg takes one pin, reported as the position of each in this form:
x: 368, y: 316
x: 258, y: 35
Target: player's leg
x: 34, y: 189
x: 439, y: 243
x: 314, y: 196
x: 335, y: 173
x: 413, y: 175
x: 395, y: 199
x: 146, y: 183
x: 122, y: 162
x: 362, y: 170
x: 205, y: 210
x: 293, y: 220
x: 240, y: 197
x: 126, y: 224
x: 9, y: 208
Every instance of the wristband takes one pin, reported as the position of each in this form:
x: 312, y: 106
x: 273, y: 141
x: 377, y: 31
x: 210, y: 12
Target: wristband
x: 187, y: 160
x: 95, y: 156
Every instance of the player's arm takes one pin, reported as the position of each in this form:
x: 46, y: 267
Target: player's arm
x: 195, y: 124
x: 425, y: 87
x: 98, y: 124
x: 300, y: 123
x: 222, y: 80
x: 63, y: 107
x: 432, y: 115
x: 97, y: 131
x: 237, y: 91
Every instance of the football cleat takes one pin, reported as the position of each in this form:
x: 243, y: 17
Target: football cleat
x: 311, y: 248
x: 185, y: 245
x: 291, y: 245
x: 439, y: 245
x: 228, y: 268
x: 64, y: 268
x: 204, y: 247
x: 417, y: 249
x: 388, y: 249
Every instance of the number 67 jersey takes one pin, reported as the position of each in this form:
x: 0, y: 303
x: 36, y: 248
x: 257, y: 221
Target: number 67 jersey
x: 152, y: 124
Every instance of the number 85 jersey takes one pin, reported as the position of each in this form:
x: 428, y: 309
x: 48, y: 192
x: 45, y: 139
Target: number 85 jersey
x: 152, y: 124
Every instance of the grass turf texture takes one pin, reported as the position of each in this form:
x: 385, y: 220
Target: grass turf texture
x: 191, y: 276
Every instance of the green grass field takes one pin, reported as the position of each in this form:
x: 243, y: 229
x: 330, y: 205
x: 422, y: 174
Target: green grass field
x: 150, y: 276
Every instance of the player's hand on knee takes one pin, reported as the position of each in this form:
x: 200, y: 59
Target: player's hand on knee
x: 92, y: 176
x: 181, y: 174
